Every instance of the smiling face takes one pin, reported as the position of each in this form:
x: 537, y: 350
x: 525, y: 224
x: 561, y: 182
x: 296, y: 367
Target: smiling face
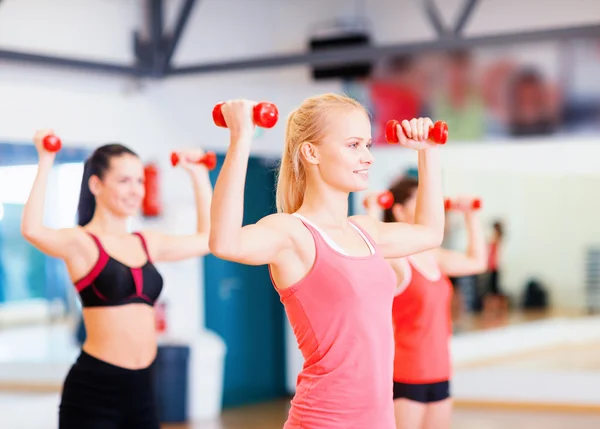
x: 343, y: 155
x: 121, y: 188
x: 327, y: 147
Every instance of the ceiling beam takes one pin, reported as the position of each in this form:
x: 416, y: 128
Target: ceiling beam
x: 79, y: 64
x: 373, y: 53
x: 434, y: 16
x: 182, y: 20
x: 156, y: 36
x: 465, y: 14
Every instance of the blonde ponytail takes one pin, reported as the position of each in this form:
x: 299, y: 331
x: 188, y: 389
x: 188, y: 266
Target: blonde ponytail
x: 308, y: 123
x: 291, y: 180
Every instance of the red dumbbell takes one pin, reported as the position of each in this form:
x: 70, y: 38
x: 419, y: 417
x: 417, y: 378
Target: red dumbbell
x: 209, y: 160
x: 475, y: 204
x: 438, y: 132
x: 385, y: 200
x: 265, y: 115
x: 52, y: 143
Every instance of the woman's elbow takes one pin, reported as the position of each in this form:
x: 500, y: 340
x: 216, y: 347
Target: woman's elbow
x: 437, y: 238
x: 432, y: 241
x: 214, y: 246
x: 28, y: 232
x: 219, y: 248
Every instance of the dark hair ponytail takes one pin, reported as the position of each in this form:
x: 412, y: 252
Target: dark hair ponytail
x: 96, y: 165
x: 402, y: 189
x: 87, y: 201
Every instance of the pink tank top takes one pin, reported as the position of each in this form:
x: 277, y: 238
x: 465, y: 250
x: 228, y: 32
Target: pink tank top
x: 340, y: 313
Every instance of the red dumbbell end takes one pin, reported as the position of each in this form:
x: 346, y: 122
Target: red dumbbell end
x: 266, y: 115
x: 391, y: 131
x: 174, y: 159
x: 52, y: 143
x: 439, y: 132
x: 217, y: 115
x: 210, y: 160
x: 385, y: 200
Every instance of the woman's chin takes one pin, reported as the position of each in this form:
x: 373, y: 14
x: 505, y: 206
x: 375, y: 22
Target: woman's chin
x: 128, y: 212
x: 360, y: 185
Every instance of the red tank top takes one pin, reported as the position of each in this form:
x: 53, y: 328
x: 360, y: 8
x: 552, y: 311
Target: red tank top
x: 422, y: 327
x: 339, y: 313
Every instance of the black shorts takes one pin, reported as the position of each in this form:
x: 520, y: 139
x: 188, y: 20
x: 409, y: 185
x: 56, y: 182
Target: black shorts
x: 425, y: 393
x: 98, y: 395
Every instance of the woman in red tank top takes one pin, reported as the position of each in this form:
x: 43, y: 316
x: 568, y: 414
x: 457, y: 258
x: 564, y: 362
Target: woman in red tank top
x: 422, y: 315
x: 329, y: 269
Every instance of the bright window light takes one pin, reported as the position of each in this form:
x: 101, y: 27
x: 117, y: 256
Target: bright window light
x: 62, y: 190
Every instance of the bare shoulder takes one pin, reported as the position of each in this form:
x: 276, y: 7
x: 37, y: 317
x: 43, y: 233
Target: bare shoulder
x: 285, y: 224
x: 81, y: 245
x: 279, y: 221
x: 294, y: 260
x: 368, y: 224
x: 78, y: 235
x: 150, y: 235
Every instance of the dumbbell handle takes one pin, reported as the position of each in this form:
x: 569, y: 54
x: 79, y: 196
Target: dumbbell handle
x: 264, y: 114
x: 209, y: 160
x: 475, y: 204
x: 438, y: 133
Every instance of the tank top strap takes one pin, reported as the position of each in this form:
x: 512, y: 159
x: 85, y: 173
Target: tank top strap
x: 144, y: 244
x: 315, y: 233
x: 101, y: 262
x: 98, y: 243
x: 365, y: 235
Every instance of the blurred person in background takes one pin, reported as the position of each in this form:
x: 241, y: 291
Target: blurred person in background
x: 533, y: 107
x: 495, y: 301
x: 397, y: 94
x: 459, y: 100
x: 421, y: 312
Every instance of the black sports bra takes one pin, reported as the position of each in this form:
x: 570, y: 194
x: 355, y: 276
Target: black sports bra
x: 111, y: 283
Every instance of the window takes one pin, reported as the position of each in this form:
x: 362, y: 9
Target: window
x: 25, y: 272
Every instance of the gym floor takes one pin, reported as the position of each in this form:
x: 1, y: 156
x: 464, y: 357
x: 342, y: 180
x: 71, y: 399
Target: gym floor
x: 272, y: 416
x: 38, y: 411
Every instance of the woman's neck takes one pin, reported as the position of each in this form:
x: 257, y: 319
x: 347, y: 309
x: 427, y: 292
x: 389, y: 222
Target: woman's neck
x: 108, y: 223
x: 325, y: 205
